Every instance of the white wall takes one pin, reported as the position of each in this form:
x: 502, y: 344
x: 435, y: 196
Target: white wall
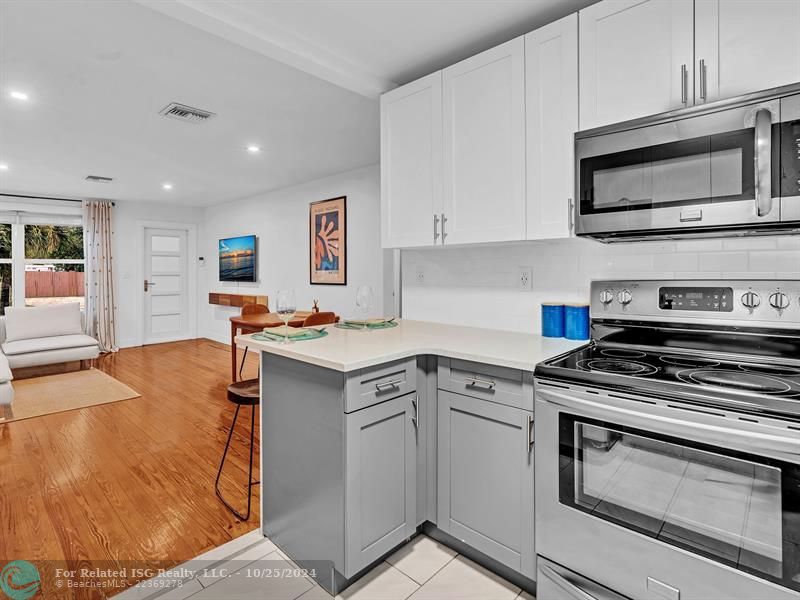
x: 477, y: 286
x: 127, y: 217
x: 280, y: 220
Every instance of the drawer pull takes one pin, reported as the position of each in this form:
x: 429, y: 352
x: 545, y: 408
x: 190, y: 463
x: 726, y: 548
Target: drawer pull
x: 383, y: 385
x: 473, y: 381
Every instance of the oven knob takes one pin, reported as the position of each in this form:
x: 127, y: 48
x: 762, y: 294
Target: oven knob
x: 751, y: 300
x: 779, y: 301
x: 624, y: 297
x: 606, y: 297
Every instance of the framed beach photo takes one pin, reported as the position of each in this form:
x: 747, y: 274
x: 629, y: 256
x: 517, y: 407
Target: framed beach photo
x: 328, y: 241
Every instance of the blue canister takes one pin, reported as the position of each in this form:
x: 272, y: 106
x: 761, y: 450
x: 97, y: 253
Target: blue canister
x: 553, y: 319
x: 576, y: 321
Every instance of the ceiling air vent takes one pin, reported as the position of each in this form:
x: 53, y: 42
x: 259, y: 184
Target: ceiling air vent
x: 185, y: 113
x: 99, y: 179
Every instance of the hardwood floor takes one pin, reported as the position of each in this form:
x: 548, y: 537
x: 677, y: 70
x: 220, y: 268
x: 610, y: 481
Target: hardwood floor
x: 128, y: 484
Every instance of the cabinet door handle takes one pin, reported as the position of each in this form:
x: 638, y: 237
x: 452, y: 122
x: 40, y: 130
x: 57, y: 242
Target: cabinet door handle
x: 684, y: 85
x: 703, y: 90
x: 473, y: 381
x: 444, y: 220
x: 415, y: 419
x: 570, y: 215
x: 394, y: 383
x: 530, y: 431
x: 435, y: 228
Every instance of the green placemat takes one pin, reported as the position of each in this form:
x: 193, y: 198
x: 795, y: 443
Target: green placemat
x: 360, y: 327
x: 311, y: 334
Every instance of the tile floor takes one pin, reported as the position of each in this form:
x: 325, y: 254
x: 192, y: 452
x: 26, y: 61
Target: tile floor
x: 421, y: 570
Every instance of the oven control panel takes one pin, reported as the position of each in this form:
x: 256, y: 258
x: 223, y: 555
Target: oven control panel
x: 755, y: 303
x: 719, y: 299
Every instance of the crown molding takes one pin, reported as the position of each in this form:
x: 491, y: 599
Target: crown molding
x: 253, y: 32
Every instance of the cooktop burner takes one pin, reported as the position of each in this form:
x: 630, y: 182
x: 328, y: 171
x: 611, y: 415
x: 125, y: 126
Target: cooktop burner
x: 613, y: 365
x: 598, y: 362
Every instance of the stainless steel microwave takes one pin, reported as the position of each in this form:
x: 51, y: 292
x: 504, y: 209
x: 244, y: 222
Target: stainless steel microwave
x: 727, y: 168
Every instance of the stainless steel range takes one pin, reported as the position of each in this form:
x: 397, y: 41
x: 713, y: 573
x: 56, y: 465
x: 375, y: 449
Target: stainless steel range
x: 668, y: 449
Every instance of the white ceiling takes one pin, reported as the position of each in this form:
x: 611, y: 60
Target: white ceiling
x: 97, y: 74
x: 299, y: 78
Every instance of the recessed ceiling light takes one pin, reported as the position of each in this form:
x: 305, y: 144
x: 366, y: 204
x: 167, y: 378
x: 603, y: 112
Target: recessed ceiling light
x: 3, y: 167
x: 19, y: 95
x: 166, y: 186
x: 253, y: 149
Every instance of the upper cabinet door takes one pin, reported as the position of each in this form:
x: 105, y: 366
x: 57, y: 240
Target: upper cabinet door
x: 484, y: 146
x: 411, y: 163
x: 635, y: 59
x: 745, y: 46
x: 551, y: 105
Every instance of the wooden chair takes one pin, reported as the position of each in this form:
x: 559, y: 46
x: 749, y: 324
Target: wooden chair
x: 251, y: 309
x: 254, y: 309
x: 320, y: 318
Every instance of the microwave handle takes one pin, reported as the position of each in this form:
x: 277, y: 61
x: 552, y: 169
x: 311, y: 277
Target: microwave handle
x: 763, y: 154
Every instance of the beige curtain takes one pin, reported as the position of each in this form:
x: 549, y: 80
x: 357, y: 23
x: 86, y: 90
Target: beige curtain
x: 100, y: 299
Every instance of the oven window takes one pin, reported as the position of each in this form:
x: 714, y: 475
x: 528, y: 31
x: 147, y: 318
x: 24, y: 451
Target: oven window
x: 730, y: 507
x: 703, y: 170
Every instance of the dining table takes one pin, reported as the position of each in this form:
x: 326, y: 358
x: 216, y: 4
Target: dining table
x: 254, y: 323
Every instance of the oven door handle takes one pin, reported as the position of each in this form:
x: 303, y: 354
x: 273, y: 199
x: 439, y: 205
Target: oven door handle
x: 756, y: 442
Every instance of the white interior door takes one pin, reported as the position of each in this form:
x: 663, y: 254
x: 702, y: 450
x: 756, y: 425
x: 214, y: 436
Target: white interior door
x: 166, y: 286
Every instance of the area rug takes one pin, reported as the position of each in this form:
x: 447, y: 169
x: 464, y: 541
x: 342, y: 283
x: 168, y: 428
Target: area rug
x: 66, y: 391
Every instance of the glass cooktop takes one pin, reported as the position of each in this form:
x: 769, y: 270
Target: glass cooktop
x: 611, y: 366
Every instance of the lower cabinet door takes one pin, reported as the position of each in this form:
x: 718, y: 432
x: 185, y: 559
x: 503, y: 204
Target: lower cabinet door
x: 381, y: 479
x: 485, y: 491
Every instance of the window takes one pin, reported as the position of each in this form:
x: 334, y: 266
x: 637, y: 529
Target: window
x: 5, y: 266
x: 54, y: 264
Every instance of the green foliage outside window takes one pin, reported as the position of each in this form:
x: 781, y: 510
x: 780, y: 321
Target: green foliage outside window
x: 55, y: 242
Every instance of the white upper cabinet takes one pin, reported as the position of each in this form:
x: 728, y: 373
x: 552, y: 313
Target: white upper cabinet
x: 636, y: 59
x: 745, y: 46
x: 411, y: 163
x: 551, y: 114
x: 484, y: 146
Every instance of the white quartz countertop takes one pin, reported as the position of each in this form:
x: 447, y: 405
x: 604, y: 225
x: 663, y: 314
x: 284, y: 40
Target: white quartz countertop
x: 348, y: 350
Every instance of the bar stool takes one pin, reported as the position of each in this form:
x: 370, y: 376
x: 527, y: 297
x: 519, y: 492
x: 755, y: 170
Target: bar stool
x: 241, y: 393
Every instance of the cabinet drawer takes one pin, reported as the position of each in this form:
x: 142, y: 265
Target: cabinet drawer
x: 372, y: 385
x: 487, y: 382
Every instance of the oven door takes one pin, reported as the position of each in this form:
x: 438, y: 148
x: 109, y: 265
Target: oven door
x: 708, y: 171
x: 651, y: 498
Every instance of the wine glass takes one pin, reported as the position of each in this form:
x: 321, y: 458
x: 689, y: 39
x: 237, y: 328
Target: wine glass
x: 286, y: 305
x: 364, y: 296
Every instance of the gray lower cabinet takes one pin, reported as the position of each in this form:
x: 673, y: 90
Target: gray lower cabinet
x: 381, y: 479
x: 485, y: 478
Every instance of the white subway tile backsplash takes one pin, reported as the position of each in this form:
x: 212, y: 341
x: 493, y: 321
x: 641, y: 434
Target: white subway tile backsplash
x: 789, y: 242
x: 462, y: 284
x: 683, y: 261
x: 723, y: 261
x: 750, y: 243
x: 777, y: 260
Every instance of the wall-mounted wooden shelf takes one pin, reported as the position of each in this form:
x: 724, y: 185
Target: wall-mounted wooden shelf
x: 235, y: 299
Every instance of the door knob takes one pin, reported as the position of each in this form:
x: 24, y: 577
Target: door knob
x: 148, y: 285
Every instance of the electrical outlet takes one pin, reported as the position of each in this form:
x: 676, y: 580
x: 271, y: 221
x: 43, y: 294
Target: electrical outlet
x: 524, y: 279
x: 420, y: 276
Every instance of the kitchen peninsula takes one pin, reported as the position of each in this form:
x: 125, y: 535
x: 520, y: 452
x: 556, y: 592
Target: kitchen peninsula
x: 367, y: 435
